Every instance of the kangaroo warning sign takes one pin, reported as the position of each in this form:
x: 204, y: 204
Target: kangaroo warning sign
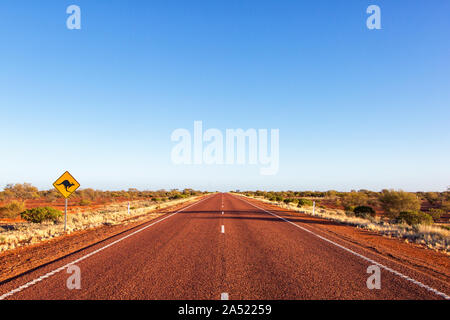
x: 66, y: 184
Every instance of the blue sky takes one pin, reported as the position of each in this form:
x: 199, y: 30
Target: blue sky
x: 356, y: 108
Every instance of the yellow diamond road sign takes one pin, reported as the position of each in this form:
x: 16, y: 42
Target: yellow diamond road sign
x: 66, y: 184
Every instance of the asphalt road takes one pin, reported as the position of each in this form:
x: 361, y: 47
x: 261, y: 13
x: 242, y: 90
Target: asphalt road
x: 224, y: 246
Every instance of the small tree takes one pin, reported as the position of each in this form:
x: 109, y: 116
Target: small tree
x: 394, y: 202
x: 12, y: 209
x: 354, y: 199
x: 21, y: 191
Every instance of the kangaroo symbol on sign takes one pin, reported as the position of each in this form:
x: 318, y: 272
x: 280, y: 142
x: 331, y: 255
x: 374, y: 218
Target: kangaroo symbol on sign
x: 66, y: 184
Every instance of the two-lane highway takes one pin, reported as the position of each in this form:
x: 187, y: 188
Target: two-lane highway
x: 223, y: 246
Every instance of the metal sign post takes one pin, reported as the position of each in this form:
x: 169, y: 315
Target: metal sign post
x: 314, y: 208
x: 65, y: 216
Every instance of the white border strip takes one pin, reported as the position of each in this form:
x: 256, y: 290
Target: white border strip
x: 420, y: 284
x: 49, y: 274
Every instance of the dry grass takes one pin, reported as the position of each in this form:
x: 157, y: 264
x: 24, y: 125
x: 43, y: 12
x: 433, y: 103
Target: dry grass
x: 22, y: 234
x: 433, y: 237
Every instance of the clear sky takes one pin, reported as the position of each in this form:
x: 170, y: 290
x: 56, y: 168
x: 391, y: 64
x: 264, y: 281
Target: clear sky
x: 356, y: 108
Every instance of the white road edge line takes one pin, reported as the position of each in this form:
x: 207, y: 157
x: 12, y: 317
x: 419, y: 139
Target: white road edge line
x: 223, y: 229
x: 420, y: 284
x: 49, y: 274
x: 224, y: 296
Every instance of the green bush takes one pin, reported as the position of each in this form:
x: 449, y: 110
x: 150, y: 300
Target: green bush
x: 288, y: 200
x: 12, y: 209
x: 364, y: 211
x: 278, y: 198
x: 304, y: 202
x: 177, y: 196
x: 436, y: 213
x: 38, y: 215
x: 85, y: 202
x: 414, y: 218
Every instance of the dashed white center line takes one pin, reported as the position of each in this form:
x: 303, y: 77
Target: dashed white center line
x: 223, y: 229
x: 224, y: 296
x: 222, y: 212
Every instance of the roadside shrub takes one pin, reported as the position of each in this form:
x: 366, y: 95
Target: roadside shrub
x: 304, y: 202
x: 436, y: 213
x: 85, y: 202
x: 12, y: 209
x: 414, y: 218
x: 177, y: 196
x: 288, y: 200
x: 278, y: 198
x: 38, y: 215
x: 364, y: 212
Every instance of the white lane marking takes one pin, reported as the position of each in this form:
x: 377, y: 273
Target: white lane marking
x: 223, y: 229
x: 420, y: 284
x: 49, y: 274
x: 224, y: 296
x: 222, y: 212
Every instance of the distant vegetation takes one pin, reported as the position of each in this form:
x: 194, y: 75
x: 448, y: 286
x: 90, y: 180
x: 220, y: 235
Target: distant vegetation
x: 398, y: 206
x: 14, y: 196
x: 26, y: 191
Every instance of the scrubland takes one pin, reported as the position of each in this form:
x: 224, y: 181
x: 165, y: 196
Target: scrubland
x: 25, y: 218
x: 431, y: 235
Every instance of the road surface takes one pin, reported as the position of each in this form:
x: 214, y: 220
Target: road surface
x: 224, y: 246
